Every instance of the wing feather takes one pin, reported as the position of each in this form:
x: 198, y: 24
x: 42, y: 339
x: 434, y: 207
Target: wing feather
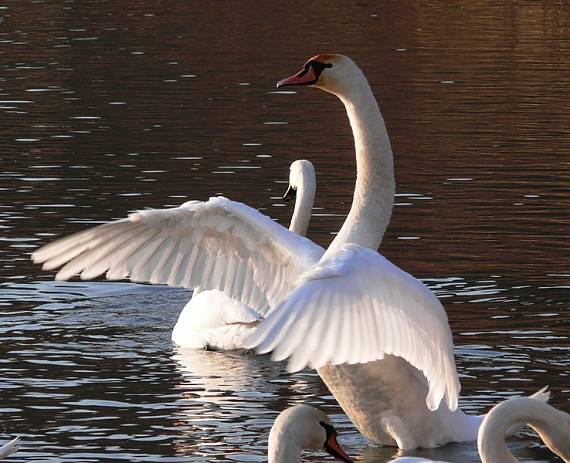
x: 218, y: 244
x: 355, y: 306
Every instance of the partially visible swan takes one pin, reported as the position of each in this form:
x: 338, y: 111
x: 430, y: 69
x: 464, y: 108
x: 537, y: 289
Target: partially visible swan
x: 212, y: 319
x: 11, y: 447
x: 302, y: 427
x: 552, y: 425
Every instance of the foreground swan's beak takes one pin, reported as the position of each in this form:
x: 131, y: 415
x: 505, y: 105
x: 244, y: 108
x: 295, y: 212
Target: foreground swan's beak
x: 289, y: 194
x: 306, y: 76
x: 333, y: 448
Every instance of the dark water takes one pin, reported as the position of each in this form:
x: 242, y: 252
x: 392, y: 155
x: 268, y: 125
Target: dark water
x: 107, y: 107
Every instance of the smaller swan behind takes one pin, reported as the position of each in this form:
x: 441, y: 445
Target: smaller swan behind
x: 214, y: 320
x: 303, y: 427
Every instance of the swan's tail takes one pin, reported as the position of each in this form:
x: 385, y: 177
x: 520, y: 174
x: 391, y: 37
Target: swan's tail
x: 543, y: 396
x: 9, y: 448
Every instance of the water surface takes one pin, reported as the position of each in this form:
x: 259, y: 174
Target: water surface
x: 106, y: 109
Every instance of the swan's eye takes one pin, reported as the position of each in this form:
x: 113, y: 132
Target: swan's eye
x: 319, y: 67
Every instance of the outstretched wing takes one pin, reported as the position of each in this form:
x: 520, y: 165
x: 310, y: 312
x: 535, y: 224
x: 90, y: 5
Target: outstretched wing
x: 217, y: 244
x: 355, y: 307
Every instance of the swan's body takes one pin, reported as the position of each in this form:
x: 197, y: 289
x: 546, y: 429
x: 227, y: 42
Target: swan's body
x: 11, y: 447
x: 214, y: 320
x: 302, y: 427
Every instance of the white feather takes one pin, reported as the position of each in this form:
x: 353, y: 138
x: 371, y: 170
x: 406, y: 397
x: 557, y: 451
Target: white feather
x: 383, y: 310
x: 216, y: 243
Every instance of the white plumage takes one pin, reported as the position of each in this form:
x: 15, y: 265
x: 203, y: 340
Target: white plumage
x: 355, y: 306
x: 216, y: 244
x: 241, y: 260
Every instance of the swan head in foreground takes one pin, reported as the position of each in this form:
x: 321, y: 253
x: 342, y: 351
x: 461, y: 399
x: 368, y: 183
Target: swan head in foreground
x: 332, y: 73
x: 303, y: 427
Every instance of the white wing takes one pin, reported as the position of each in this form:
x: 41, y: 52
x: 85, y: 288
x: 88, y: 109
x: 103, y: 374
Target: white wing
x: 218, y: 244
x: 10, y: 448
x: 355, y: 307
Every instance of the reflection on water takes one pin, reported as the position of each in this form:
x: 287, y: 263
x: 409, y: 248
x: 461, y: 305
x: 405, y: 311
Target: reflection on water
x: 88, y: 373
x: 108, y: 109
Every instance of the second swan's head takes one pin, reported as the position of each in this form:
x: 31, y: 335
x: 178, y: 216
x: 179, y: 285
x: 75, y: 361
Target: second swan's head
x: 301, y: 178
x: 332, y: 73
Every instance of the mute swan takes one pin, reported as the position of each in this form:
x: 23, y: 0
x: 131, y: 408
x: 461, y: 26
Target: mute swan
x: 552, y: 425
x: 10, y: 448
x: 213, y: 320
x: 302, y: 427
x: 378, y: 337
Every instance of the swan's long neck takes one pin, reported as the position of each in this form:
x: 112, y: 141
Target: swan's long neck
x: 375, y: 184
x: 304, y: 200
x: 552, y: 425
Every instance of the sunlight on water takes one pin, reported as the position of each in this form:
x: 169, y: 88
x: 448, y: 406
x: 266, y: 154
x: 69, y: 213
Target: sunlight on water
x: 108, y: 109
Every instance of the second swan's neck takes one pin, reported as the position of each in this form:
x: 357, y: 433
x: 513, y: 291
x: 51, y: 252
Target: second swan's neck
x: 305, y: 198
x: 375, y: 184
x: 552, y: 425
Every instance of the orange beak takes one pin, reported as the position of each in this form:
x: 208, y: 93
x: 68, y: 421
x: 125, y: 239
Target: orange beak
x: 306, y: 76
x: 333, y: 448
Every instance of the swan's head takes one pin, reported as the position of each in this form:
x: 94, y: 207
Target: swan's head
x: 303, y: 427
x: 301, y: 178
x: 331, y: 73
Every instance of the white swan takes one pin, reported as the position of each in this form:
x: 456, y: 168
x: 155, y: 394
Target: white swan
x: 302, y: 427
x: 378, y: 337
x: 552, y: 425
x: 11, y: 447
x: 217, y: 244
x: 213, y: 320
